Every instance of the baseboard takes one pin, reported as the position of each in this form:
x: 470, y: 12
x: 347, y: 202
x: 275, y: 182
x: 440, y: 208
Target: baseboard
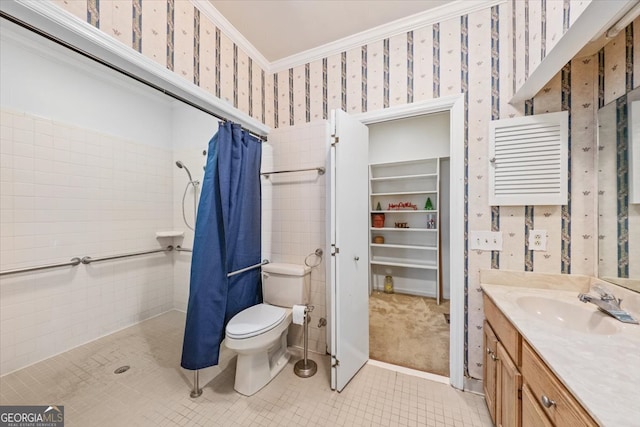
x: 473, y: 385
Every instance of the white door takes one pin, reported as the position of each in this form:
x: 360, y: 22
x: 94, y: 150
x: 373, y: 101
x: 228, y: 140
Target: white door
x: 349, y: 213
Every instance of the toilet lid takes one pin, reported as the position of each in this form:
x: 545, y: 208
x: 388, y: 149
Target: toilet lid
x: 255, y: 320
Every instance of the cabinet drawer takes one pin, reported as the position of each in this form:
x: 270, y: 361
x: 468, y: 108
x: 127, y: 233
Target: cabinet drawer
x: 532, y: 413
x: 506, y: 332
x: 565, y: 410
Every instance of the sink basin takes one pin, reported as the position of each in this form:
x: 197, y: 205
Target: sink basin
x: 568, y: 316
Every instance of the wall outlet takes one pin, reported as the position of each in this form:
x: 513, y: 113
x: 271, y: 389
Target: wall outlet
x: 537, y: 240
x: 485, y: 240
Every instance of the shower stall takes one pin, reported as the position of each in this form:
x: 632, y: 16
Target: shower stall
x: 89, y: 191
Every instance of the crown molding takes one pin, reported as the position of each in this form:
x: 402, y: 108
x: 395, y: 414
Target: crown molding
x: 209, y: 10
x: 451, y: 10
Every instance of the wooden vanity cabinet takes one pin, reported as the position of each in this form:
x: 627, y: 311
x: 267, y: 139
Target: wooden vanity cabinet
x: 501, y: 360
x: 509, y: 384
x: 490, y: 369
x: 520, y: 389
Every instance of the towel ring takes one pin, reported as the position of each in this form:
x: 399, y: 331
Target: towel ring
x: 318, y: 253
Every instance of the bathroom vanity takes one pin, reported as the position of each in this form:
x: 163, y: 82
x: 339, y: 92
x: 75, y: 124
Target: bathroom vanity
x: 551, y: 360
x: 514, y: 377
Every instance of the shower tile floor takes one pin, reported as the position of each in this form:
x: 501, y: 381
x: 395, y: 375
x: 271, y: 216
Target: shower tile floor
x: 155, y: 390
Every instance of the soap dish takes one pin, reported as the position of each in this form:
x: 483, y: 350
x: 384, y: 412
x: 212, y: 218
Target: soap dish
x: 169, y: 233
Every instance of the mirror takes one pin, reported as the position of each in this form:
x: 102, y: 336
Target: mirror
x: 619, y: 240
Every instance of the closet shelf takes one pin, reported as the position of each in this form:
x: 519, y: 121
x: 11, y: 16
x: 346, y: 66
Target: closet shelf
x: 404, y: 264
x: 392, y: 211
x: 404, y: 193
x: 392, y: 245
x: 396, y: 178
x: 402, y: 229
x: 416, y: 254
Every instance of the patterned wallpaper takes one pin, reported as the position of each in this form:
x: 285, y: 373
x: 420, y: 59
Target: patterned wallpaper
x: 480, y: 55
x: 175, y: 34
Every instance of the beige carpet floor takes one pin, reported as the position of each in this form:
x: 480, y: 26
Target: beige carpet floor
x: 409, y: 331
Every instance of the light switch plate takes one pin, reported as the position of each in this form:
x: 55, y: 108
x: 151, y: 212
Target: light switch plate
x: 537, y: 240
x: 485, y: 240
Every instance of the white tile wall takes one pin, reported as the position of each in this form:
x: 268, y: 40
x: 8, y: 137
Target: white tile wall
x: 67, y: 191
x: 293, y: 211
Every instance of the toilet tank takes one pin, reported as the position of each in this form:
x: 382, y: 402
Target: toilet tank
x: 285, y: 285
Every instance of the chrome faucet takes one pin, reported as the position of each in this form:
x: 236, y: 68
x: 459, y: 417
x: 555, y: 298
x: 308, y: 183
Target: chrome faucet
x: 608, y: 303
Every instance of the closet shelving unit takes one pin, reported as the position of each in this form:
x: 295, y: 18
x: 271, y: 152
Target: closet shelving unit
x: 410, y: 255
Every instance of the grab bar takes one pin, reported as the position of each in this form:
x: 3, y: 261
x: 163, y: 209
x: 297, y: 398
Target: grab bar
x: 84, y: 260
x: 89, y: 260
x: 251, y: 267
x: 233, y: 273
x: 320, y: 170
x: 73, y: 262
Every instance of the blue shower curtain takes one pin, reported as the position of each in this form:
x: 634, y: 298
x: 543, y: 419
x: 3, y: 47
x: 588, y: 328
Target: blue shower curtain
x: 227, y: 238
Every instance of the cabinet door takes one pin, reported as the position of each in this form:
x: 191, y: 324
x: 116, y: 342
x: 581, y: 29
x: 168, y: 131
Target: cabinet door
x: 532, y: 413
x: 489, y: 369
x: 509, y: 382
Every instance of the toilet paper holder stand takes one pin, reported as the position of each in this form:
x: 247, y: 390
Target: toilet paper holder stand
x: 306, y: 367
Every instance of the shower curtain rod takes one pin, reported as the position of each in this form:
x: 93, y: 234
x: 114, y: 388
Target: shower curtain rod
x: 101, y: 61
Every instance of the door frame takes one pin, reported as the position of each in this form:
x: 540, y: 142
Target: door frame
x: 454, y: 105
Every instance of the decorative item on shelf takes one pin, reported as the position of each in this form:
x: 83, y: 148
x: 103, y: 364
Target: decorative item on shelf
x: 431, y: 222
x: 402, y: 206
x: 378, y: 207
x: 377, y: 220
x: 428, y: 206
x: 388, y: 284
x: 402, y: 225
x: 378, y: 239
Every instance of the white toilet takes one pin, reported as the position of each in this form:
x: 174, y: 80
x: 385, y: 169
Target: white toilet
x: 259, y: 333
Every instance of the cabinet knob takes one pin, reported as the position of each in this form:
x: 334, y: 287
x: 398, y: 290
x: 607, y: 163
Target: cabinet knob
x: 488, y: 350
x: 493, y: 357
x: 546, y: 402
x: 356, y: 258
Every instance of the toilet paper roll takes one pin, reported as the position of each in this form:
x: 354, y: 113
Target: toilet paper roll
x: 298, y: 314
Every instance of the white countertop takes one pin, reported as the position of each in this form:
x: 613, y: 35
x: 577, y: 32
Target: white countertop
x: 602, y: 371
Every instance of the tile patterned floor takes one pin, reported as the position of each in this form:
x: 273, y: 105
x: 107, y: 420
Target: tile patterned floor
x: 155, y: 391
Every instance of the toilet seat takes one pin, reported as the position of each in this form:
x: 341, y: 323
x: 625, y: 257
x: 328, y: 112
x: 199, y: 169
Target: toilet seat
x: 254, y: 321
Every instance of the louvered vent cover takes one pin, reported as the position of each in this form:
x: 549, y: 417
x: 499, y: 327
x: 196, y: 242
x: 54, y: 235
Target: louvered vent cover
x: 528, y: 160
